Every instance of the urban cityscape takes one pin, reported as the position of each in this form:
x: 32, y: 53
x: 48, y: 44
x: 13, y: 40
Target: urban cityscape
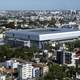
x: 39, y: 42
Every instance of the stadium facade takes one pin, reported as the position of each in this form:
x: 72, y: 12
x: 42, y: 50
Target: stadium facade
x: 38, y: 37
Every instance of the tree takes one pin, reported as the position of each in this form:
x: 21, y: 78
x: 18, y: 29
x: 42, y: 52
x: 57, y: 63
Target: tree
x: 52, y: 22
x: 26, y: 53
x: 6, y: 51
x: 72, y: 45
x: 55, y: 72
x: 59, y: 72
x: 61, y: 21
x: 10, y: 25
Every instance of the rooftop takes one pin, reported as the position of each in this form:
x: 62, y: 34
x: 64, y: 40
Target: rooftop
x: 42, y: 30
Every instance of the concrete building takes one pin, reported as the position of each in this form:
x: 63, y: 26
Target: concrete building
x: 36, y: 72
x: 2, y: 39
x: 64, y: 57
x: 38, y: 37
x: 25, y: 71
x: 11, y: 64
x: 43, y: 68
x: 2, y: 77
x: 8, y: 63
x: 67, y: 58
x: 73, y: 61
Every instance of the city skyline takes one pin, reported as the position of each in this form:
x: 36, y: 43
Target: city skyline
x: 38, y: 4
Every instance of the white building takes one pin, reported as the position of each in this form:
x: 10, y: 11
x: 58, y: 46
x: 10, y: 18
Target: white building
x: 78, y: 76
x: 2, y: 39
x: 25, y: 71
x: 15, y: 64
x: 73, y: 61
x: 2, y: 77
x: 8, y: 63
x: 11, y: 64
x: 1, y: 35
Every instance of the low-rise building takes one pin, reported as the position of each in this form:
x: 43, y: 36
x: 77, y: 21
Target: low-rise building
x: 36, y: 72
x: 2, y: 77
x: 73, y: 61
x: 11, y: 64
x: 43, y: 68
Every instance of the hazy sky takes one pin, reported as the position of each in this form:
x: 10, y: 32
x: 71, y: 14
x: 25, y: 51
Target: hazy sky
x: 39, y: 4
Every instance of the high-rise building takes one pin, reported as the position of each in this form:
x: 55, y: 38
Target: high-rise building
x: 25, y: 71
x: 64, y: 57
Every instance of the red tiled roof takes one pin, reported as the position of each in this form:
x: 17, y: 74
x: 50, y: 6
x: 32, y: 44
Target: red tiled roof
x: 78, y: 53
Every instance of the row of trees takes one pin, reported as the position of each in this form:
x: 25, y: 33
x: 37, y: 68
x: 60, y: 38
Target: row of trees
x: 57, y: 72
x: 7, y: 51
x: 51, y: 22
x: 38, y: 23
x: 73, y: 44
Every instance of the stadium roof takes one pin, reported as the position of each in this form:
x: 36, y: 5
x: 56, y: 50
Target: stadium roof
x: 43, y: 30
